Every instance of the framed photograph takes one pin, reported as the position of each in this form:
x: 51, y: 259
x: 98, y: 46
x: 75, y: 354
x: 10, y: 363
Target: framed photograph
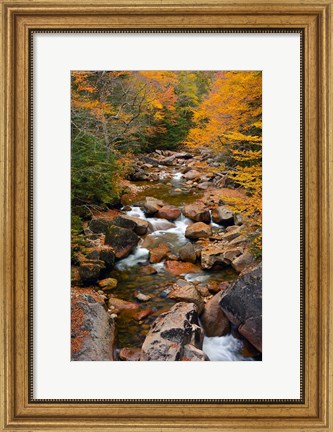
x: 166, y: 216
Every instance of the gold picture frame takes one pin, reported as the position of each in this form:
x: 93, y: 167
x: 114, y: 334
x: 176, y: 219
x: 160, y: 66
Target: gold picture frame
x: 314, y: 411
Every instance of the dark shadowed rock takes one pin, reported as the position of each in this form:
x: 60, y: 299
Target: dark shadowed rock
x: 197, y: 211
x: 107, y: 255
x: 92, y: 329
x: 89, y: 271
x: 213, y: 319
x: 171, y: 332
x: 122, y: 240
x: 136, y: 224
x: 223, y: 216
x: 124, y: 222
x: 242, y: 304
x: 99, y: 225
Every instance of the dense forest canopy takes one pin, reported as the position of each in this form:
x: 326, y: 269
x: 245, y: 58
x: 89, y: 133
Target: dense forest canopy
x: 118, y: 114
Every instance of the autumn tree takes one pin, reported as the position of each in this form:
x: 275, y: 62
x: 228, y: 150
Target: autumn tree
x: 229, y: 121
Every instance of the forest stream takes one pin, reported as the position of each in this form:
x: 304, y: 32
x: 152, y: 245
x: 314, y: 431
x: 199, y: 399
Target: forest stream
x: 146, y: 281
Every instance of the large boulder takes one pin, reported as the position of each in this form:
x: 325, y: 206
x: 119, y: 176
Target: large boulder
x: 122, y: 240
x: 197, y: 211
x: 168, y: 212
x: 198, y: 230
x: 213, y: 319
x: 223, y: 216
x: 242, y: 304
x: 92, y: 329
x: 171, y: 332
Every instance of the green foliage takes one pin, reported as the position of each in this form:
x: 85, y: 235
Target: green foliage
x: 94, y: 173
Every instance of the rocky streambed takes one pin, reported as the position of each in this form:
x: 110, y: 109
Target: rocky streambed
x: 170, y: 274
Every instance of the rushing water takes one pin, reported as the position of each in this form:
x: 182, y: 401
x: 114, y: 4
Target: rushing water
x: 132, y: 279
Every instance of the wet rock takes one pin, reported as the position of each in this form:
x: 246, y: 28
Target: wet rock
x: 183, y: 155
x: 198, y: 230
x: 120, y: 304
x: 138, y: 225
x: 170, y: 332
x: 152, y: 205
x: 129, y: 354
x: 169, y: 213
x: 159, y: 224
x: 142, y: 297
x: 213, y: 319
x: 191, y: 353
x: 108, y: 284
x: 122, y: 240
x: 144, y: 313
x: 242, y: 262
x: 189, y: 294
x: 242, y: 304
x: 158, y: 253
x: 197, y: 211
x: 191, y: 175
x: 178, y: 268
x: 223, y: 216
x: 92, y: 329
x: 147, y: 270
x: 187, y: 253
x: 89, y: 271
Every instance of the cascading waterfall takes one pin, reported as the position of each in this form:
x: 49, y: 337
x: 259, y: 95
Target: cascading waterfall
x: 223, y: 348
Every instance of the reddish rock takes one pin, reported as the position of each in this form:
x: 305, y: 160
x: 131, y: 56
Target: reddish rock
x: 178, y: 268
x: 147, y: 270
x: 158, y: 253
x: 198, y: 230
x: 197, y: 212
x: 120, y: 304
x: 143, y: 314
x: 169, y: 212
x: 129, y: 354
x: 213, y: 319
